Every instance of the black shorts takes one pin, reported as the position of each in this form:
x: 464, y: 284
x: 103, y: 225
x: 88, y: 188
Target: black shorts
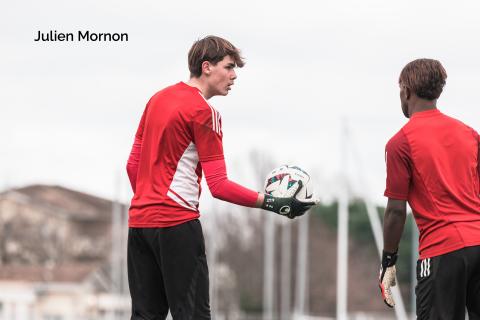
x: 448, y: 283
x: 167, y: 270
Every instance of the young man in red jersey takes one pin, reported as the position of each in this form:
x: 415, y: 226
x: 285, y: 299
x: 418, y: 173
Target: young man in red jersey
x: 179, y: 136
x: 433, y: 163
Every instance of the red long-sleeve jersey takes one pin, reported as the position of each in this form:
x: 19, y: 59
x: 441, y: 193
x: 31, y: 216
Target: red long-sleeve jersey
x: 179, y: 134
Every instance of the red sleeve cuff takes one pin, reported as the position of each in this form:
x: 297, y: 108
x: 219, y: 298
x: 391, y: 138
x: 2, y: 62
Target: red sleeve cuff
x: 395, y: 196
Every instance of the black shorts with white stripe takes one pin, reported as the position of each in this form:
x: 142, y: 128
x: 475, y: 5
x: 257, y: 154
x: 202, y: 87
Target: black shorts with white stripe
x: 449, y: 283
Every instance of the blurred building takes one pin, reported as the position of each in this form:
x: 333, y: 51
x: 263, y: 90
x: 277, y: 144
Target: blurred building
x: 56, y: 254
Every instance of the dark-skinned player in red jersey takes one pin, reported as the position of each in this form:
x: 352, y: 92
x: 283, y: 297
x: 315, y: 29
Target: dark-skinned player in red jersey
x: 179, y: 136
x: 433, y: 163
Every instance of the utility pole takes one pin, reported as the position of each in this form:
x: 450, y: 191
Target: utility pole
x: 342, y: 242
x: 286, y: 270
x: 268, y: 266
x: 302, y: 267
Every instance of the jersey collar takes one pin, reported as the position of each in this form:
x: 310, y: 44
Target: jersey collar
x: 426, y: 113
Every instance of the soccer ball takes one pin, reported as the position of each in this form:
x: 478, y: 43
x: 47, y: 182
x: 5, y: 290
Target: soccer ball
x: 281, y: 183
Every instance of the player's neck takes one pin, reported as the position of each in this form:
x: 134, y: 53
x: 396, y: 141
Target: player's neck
x: 200, y: 85
x: 422, y: 105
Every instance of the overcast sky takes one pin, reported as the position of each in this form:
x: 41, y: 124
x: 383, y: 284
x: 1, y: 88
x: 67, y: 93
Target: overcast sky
x: 69, y: 110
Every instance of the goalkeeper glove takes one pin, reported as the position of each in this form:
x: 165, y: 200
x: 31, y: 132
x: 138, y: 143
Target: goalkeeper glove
x: 387, y: 277
x: 290, y: 207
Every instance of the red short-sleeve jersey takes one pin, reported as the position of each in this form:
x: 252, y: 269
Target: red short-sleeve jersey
x: 432, y: 162
x: 177, y: 131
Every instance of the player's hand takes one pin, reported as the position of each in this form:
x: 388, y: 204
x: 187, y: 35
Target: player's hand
x: 290, y: 207
x: 386, y: 278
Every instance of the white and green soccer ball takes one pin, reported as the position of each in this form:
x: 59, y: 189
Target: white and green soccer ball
x: 283, y: 182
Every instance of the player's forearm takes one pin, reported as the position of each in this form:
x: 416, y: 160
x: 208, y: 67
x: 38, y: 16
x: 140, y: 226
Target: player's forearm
x: 234, y: 193
x: 393, y: 224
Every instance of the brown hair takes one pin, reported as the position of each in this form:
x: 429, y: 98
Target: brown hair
x: 212, y: 49
x: 425, y: 77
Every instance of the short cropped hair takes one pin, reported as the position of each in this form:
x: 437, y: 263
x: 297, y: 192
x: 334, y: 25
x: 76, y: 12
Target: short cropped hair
x: 425, y: 77
x: 212, y: 49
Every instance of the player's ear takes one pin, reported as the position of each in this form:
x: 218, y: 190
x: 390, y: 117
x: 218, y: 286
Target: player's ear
x: 206, y: 68
x: 408, y: 93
